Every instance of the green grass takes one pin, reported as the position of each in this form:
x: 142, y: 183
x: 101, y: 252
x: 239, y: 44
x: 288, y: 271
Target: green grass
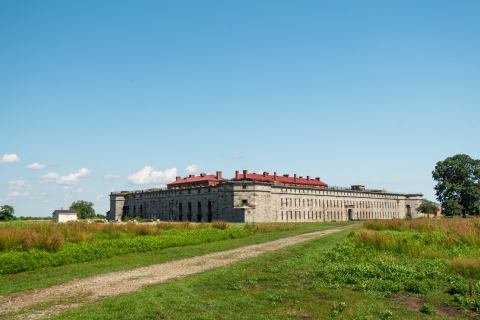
x: 272, y: 286
x: 333, y: 277
x: 45, y: 277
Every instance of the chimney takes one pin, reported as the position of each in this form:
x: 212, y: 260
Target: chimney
x: 202, y: 174
x: 295, y: 177
x: 190, y: 175
x: 317, y: 178
x: 265, y: 174
x: 300, y: 177
x: 285, y: 175
x: 237, y: 175
x: 178, y: 178
x: 245, y: 174
x: 274, y: 176
x: 219, y: 175
x: 308, y: 177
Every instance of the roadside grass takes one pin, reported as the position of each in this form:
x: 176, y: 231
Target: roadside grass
x: 41, y: 278
x: 340, y: 276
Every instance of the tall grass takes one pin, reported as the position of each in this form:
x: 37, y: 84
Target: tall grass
x: 449, y: 232
x: 20, y: 239
x: 52, y: 236
x: 18, y: 261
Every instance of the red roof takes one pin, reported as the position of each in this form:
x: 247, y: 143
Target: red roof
x: 210, y: 179
x: 265, y: 177
x: 203, y: 178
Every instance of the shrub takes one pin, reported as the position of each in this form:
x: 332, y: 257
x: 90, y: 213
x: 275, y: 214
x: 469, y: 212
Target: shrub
x: 387, y: 315
x: 339, y: 307
x: 458, y: 285
x: 427, y: 308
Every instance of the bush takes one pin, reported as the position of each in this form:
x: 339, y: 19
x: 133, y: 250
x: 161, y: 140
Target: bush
x: 427, y: 309
x: 339, y: 307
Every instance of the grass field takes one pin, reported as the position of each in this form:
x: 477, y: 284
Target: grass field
x: 425, y: 269
x: 10, y: 283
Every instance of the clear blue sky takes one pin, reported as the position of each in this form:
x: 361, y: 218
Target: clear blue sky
x: 356, y: 92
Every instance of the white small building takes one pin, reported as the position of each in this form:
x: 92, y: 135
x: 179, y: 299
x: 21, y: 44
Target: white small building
x: 64, y: 215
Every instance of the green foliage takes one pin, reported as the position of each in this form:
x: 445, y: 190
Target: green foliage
x: 427, y: 308
x: 339, y: 307
x: 452, y: 208
x: 387, y: 315
x: 6, y: 212
x: 84, y: 209
x: 428, y: 207
x: 18, y: 261
x: 41, y: 278
x: 458, y: 181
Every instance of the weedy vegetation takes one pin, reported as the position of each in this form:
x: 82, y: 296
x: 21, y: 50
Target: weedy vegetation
x: 419, y: 269
x: 45, y: 244
x: 26, y: 246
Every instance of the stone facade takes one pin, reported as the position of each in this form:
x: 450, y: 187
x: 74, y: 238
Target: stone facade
x: 259, y: 201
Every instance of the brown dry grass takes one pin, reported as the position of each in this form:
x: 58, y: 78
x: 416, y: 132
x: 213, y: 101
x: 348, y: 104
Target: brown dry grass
x: 456, y: 230
x: 52, y: 236
x: 466, y: 266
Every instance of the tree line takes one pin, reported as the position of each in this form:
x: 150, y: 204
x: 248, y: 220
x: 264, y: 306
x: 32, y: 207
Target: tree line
x: 83, y: 208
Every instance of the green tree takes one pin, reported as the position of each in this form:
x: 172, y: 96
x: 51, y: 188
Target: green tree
x: 428, y: 207
x: 452, y: 208
x: 84, y: 209
x: 458, y: 181
x: 6, y: 212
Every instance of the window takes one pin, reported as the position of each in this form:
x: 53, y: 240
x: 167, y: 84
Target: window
x: 244, y: 201
x: 244, y: 186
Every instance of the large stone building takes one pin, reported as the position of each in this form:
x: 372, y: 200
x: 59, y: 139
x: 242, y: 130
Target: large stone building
x: 252, y: 197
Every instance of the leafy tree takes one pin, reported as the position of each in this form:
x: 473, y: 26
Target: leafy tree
x: 84, y: 209
x: 6, y: 212
x: 458, y: 180
x: 428, y: 207
x: 452, y: 208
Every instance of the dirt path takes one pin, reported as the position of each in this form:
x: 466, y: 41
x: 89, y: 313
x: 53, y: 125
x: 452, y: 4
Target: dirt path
x: 46, y: 302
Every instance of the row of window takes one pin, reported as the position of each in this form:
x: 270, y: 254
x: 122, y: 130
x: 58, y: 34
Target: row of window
x: 168, y: 207
x: 311, y: 216
x: 168, y: 193
x: 296, y: 202
x: 333, y: 215
x: 326, y: 192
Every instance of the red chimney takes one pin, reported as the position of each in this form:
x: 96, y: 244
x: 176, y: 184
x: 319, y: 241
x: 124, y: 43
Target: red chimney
x: 265, y: 174
x: 274, y: 176
x: 203, y: 174
x: 190, y: 175
x: 285, y: 175
x: 245, y: 174
x: 237, y: 175
x: 294, y: 177
x: 317, y: 178
x: 308, y: 177
x: 219, y: 175
x: 178, y: 178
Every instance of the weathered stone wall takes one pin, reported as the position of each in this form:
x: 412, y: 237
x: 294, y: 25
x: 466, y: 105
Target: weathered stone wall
x: 244, y: 201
